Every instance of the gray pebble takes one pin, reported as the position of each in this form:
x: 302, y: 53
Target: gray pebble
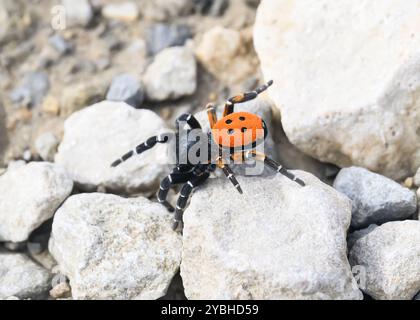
x: 46, y: 146
x: 127, y: 88
x: 375, y: 198
x: 60, y: 44
x: 32, y: 90
x: 79, y: 13
x: 162, y: 36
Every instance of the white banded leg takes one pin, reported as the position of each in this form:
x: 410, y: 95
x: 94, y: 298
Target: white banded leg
x: 184, y: 195
x: 231, y: 176
x: 230, y: 103
x: 190, y: 120
x: 275, y: 166
x: 166, y: 184
x: 149, y: 144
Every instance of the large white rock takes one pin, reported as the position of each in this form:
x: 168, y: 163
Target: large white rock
x: 390, y: 257
x: 347, y: 78
x: 115, y: 248
x: 29, y: 195
x: 22, y: 278
x: 172, y: 75
x: 277, y: 241
x: 96, y: 136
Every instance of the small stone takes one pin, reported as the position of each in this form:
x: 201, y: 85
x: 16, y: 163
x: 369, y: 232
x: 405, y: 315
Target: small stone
x: 46, y: 146
x: 79, y: 95
x: 162, y: 36
x: 27, y: 155
x: 271, y: 250
x: 390, y: 259
x: 32, y: 90
x: 61, y: 290
x: 125, y: 11
x: 213, y: 8
x: 51, y: 105
x: 172, y: 75
x: 376, y: 199
x: 15, y: 20
x: 163, y: 10
x: 79, y: 13
x: 115, y: 248
x: 29, y: 195
x: 126, y: 88
x: 60, y: 44
x: 409, y: 183
x: 100, y: 134
x: 103, y: 63
x: 22, y: 278
x: 223, y: 53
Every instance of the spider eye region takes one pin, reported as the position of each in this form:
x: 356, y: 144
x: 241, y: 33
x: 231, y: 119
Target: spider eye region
x: 239, y: 129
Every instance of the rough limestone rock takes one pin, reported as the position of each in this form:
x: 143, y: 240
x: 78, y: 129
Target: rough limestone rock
x: 277, y: 241
x: 115, y: 248
x: 375, y: 198
x: 172, y: 75
x: 22, y: 278
x: 96, y: 136
x: 29, y: 195
x: 390, y: 256
x: 347, y: 79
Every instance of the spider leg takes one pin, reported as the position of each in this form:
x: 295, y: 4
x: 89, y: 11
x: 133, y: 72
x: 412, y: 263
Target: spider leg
x: 230, y: 103
x: 190, y: 120
x: 211, y: 113
x: 274, y: 165
x: 185, y: 194
x: 175, y: 177
x: 149, y: 144
x: 230, y: 175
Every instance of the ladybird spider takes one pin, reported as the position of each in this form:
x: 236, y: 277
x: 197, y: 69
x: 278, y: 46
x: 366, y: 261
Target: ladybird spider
x: 237, y: 132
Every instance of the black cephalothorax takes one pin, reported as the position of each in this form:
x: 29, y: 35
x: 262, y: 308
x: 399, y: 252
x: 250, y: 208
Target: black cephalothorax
x: 236, y: 134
